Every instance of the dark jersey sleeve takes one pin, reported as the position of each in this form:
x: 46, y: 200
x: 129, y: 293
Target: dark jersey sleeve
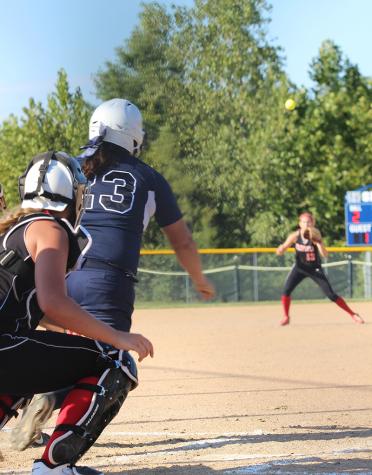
x: 167, y: 210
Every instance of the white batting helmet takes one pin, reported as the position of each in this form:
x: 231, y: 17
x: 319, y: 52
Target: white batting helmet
x: 120, y: 122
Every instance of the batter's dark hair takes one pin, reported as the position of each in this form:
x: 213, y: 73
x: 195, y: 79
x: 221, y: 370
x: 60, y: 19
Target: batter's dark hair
x: 107, y: 155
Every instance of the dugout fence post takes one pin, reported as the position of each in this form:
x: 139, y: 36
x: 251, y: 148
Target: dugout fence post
x: 367, y: 275
x: 255, y: 277
x: 187, y: 288
x: 350, y: 275
x: 236, y: 260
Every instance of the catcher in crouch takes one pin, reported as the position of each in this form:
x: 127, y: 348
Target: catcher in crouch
x: 309, y: 246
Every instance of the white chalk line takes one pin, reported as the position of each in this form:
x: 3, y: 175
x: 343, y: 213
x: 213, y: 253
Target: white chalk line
x: 264, y: 468
x: 282, y: 459
x: 165, y: 433
x: 182, y: 434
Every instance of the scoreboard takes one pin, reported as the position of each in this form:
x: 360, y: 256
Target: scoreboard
x: 358, y: 216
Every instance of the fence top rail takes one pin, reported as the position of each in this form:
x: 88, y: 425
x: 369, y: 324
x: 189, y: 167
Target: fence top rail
x: 243, y: 267
x: 252, y: 250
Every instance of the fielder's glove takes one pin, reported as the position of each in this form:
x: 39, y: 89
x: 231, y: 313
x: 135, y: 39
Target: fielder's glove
x: 313, y: 234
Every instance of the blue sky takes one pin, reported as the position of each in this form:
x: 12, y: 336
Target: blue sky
x: 38, y: 37
x: 300, y: 26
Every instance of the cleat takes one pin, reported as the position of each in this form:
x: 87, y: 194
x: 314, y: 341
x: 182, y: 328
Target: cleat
x: 34, y: 417
x: 357, y: 318
x: 41, y: 441
x: 284, y: 321
x: 42, y: 468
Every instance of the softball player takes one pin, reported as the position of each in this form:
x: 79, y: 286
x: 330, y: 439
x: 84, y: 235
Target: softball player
x: 37, y: 245
x: 125, y: 194
x: 309, y: 248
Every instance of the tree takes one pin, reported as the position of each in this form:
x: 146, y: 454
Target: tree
x: 146, y: 72
x: 337, y: 132
x: 61, y: 125
x: 142, y: 70
x: 323, y: 150
x: 212, y: 90
x: 232, y: 87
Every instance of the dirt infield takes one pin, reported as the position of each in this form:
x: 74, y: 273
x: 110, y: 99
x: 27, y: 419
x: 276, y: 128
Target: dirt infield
x: 231, y: 392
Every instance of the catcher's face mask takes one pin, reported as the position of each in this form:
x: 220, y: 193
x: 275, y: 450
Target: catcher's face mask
x: 81, y: 198
x: 2, y: 198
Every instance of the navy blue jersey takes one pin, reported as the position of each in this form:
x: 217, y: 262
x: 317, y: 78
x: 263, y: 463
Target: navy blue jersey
x: 123, y: 198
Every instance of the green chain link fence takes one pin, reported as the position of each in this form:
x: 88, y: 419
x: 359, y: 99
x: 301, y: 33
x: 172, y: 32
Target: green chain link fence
x: 250, y: 277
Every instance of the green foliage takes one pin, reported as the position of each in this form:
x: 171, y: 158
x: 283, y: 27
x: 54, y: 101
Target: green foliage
x: 62, y: 125
x: 147, y: 72
x: 142, y: 71
x: 230, y: 83
x: 164, y: 155
x: 212, y: 91
x: 319, y: 150
x: 335, y: 138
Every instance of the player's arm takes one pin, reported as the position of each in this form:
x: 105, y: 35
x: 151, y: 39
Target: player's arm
x: 169, y: 217
x: 322, y: 249
x: 48, y: 245
x: 48, y: 325
x: 180, y: 238
x: 291, y: 239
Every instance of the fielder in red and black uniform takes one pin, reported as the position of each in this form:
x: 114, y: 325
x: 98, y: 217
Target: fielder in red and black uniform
x: 309, y: 249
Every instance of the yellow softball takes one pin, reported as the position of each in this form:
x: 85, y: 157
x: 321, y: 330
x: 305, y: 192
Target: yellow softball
x: 290, y: 104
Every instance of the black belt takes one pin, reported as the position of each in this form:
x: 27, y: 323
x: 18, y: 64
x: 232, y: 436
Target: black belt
x: 90, y: 263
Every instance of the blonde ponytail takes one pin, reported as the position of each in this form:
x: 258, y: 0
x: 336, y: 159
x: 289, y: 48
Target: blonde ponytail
x: 12, y: 217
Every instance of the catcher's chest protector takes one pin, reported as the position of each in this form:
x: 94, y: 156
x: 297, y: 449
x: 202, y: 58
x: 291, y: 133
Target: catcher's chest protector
x: 19, y: 309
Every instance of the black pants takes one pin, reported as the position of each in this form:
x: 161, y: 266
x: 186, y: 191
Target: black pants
x: 298, y: 274
x: 43, y: 361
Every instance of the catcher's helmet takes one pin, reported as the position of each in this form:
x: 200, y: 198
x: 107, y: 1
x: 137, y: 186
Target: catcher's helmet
x: 120, y: 122
x: 53, y: 181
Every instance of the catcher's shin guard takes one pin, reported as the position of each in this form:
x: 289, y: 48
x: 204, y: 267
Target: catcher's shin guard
x: 79, y: 423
